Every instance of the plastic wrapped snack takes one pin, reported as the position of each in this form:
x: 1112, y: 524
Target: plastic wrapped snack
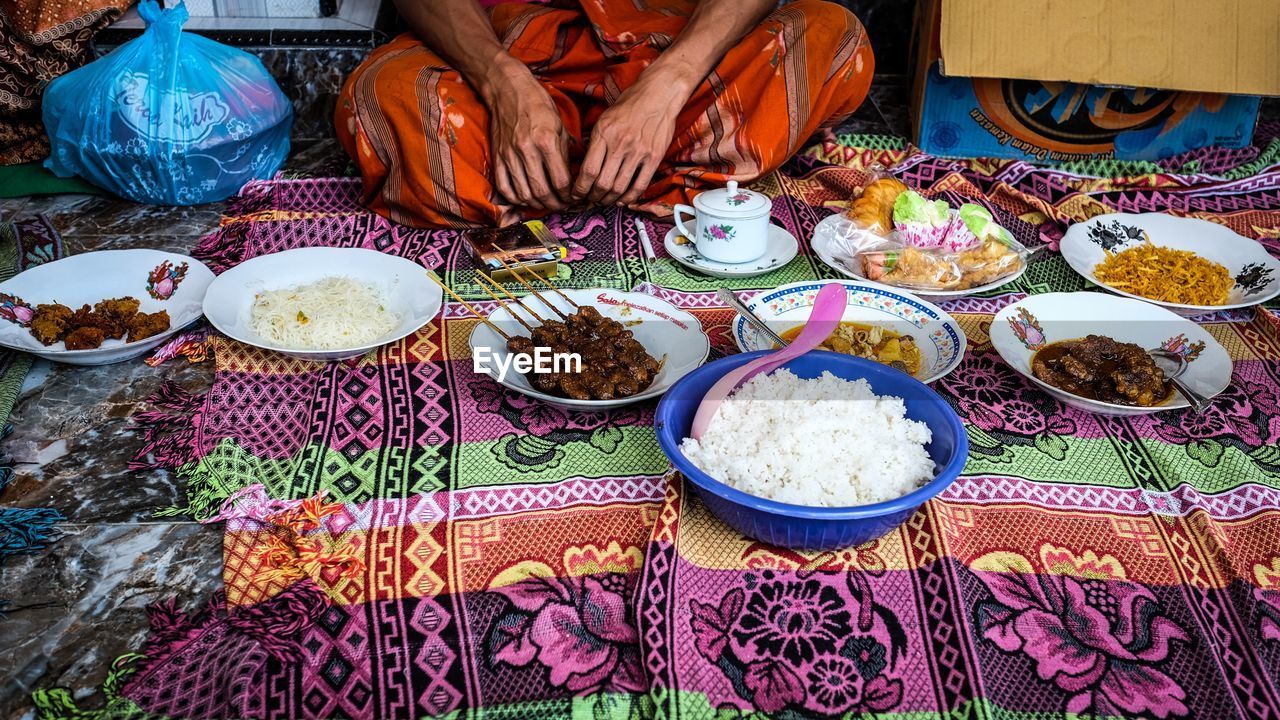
x: 935, y: 248
x: 872, y: 209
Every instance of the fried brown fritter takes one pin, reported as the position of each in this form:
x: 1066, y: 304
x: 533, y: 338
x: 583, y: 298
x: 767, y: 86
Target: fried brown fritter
x: 122, y: 307
x: 50, y: 323
x: 144, y: 325
x: 85, y: 337
x: 112, y: 327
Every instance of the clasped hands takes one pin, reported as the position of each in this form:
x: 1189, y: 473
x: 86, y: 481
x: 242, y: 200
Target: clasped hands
x: 530, y: 147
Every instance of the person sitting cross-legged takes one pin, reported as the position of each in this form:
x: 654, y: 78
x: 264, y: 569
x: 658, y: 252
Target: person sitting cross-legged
x: 490, y: 117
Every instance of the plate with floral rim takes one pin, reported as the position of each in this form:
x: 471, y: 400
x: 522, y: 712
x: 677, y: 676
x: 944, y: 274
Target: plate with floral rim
x: 1027, y: 326
x: 781, y: 249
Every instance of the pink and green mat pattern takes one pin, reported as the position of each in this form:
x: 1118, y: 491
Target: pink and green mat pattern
x: 405, y: 538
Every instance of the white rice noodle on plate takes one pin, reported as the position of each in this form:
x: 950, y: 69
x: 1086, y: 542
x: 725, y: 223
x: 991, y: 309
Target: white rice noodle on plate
x: 332, y: 312
x: 772, y: 438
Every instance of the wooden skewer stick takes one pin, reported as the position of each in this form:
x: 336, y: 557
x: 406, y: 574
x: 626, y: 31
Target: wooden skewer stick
x: 556, y: 290
x: 467, y: 305
x: 546, y: 281
x: 533, y: 290
x: 505, y: 306
x: 513, y: 298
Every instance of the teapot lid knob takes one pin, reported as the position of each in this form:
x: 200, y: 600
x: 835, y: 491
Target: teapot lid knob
x: 733, y: 187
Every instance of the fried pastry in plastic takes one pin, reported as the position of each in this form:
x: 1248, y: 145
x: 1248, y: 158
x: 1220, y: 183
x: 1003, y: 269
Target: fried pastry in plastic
x: 873, y: 210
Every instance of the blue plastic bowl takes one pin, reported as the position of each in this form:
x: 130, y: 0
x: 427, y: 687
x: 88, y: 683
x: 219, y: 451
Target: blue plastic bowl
x: 799, y: 526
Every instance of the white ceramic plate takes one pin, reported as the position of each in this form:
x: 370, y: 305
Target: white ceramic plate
x: 835, y: 227
x: 781, y: 250
x: 662, y: 328
x: 941, y: 341
x: 409, y: 293
x: 1028, y: 325
x: 1256, y: 272
x: 159, y: 280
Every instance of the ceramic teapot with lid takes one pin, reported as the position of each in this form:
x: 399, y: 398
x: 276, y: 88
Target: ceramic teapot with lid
x: 732, y: 223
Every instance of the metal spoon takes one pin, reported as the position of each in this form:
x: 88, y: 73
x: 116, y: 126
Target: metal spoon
x: 727, y: 296
x: 1174, y: 365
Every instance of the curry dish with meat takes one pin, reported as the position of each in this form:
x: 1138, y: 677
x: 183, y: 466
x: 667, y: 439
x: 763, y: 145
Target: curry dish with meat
x: 1100, y: 368
x: 872, y: 342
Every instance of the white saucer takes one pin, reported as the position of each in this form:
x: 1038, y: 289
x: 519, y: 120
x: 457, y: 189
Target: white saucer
x: 782, y: 249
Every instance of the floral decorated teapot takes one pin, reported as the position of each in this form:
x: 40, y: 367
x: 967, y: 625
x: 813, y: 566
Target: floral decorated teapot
x: 732, y: 224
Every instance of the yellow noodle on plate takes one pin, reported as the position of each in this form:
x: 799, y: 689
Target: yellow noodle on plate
x: 1160, y: 273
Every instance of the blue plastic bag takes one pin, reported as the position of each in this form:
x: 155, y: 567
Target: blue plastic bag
x: 168, y: 118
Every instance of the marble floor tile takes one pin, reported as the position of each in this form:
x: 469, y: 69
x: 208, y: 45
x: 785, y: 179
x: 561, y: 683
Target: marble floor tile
x: 79, y: 605
x: 82, y: 215
x: 319, y: 157
x: 74, y: 436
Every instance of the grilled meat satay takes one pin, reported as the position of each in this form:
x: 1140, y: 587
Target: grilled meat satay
x: 613, y: 363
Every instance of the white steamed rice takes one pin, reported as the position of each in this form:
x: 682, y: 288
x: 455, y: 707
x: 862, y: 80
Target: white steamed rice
x: 824, y: 442
x: 333, y: 312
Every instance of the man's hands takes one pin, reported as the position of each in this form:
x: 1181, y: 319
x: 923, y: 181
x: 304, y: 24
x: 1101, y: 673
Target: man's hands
x: 529, y: 146
x: 628, y: 142
x: 528, y: 142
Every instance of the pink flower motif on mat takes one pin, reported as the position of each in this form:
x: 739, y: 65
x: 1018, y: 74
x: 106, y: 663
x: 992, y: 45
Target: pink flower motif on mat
x: 794, y: 619
x: 488, y: 395
x: 1022, y: 417
x: 578, y: 628
x: 983, y: 378
x: 1268, y: 596
x: 1233, y: 413
x: 1087, y: 629
x: 836, y: 683
x: 794, y: 641
x: 773, y: 685
x: 574, y: 251
x: 710, y: 624
x: 1269, y: 620
x: 981, y: 415
x: 537, y: 417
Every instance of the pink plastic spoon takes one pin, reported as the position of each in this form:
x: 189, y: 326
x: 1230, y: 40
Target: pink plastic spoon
x: 828, y: 309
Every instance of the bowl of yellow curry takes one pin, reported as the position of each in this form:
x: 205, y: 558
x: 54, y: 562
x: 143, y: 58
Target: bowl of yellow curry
x: 887, y: 325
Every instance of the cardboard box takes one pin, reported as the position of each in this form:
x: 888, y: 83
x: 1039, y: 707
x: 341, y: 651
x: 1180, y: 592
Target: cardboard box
x: 1221, y: 46
x: 1051, y: 109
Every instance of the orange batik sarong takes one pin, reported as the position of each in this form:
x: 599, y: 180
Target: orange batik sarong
x: 420, y: 134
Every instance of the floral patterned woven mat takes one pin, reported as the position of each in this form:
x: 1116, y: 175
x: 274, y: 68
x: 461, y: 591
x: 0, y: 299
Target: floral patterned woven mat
x: 406, y: 539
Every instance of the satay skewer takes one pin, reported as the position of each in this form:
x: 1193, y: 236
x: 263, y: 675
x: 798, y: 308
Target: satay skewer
x: 545, y: 281
x: 468, y: 306
x: 533, y: 290
x: 505, y: 306
x: 557, y: 291
x: 513, y: 298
